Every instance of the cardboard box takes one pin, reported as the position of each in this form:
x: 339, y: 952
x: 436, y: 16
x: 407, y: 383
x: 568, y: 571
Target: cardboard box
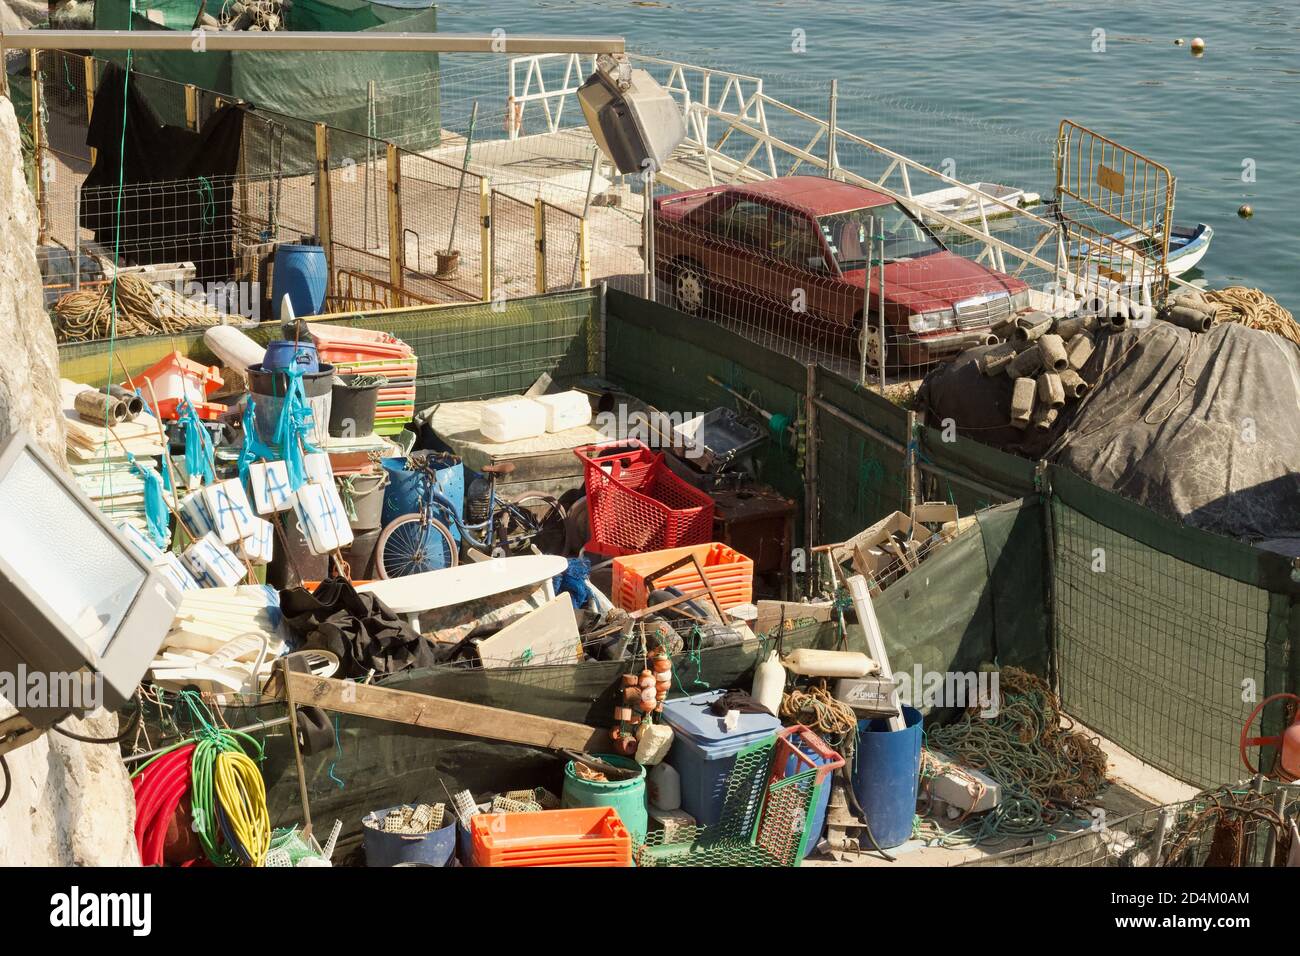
x: 873, y: 550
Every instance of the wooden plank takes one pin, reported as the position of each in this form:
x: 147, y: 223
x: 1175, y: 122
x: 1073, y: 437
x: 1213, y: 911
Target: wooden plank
x: 875, y: 639
x: 439, y: 713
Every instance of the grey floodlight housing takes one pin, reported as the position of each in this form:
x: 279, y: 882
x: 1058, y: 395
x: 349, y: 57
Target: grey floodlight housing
x: 634, y: 120
x: 78, y: 604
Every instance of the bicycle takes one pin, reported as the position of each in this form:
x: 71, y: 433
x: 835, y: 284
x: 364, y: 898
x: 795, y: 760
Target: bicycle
x: 422, y: 540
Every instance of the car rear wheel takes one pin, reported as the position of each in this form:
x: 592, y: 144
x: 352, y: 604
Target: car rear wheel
x: 689, y: 288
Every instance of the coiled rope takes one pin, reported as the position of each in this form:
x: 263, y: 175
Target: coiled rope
x: 1253, y: 309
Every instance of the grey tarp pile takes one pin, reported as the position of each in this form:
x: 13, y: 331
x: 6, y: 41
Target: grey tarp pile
x: 1204, y: 428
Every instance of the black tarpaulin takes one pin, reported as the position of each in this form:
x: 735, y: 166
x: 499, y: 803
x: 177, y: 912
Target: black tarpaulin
x: 1202, y: 428
x: 175, y: 204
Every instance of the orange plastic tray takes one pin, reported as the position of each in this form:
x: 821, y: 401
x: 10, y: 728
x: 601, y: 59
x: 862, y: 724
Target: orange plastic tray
x: 729, y: 573
x: 587, y: 835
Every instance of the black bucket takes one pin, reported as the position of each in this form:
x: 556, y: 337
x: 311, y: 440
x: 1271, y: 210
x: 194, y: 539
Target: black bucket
x: 352, y: 411
x: 268, y: 388
x: 360, y: 555
x: 289, y: 569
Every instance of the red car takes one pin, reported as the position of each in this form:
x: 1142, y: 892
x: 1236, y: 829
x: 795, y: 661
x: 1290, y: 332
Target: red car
x: 798, y: 245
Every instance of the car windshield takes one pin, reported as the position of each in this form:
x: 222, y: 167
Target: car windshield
x: 905, y: 236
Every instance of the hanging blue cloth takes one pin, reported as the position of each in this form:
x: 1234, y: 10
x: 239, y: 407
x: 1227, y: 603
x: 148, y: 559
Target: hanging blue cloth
x: 294, y: 427
x: 155, y: 507
x: 198, y: 443
x: 254, y: 448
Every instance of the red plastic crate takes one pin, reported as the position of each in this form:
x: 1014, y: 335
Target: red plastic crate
x: 635, y: 503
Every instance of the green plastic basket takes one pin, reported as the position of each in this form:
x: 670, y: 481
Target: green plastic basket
x: 767, y: 812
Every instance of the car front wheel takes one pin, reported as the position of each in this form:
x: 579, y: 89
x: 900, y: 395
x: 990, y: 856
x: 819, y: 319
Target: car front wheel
x: 689, y: 288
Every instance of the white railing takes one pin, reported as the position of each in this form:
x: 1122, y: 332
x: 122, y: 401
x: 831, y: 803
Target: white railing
x: 729, y: 122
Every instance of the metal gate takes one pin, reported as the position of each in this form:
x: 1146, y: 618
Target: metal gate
x: 1116, y: 209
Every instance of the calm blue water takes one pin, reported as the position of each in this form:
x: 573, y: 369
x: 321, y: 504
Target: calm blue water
x: 1019, y: 64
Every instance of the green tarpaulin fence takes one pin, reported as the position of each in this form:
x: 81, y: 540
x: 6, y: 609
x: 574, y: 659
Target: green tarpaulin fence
x: 324, y: 87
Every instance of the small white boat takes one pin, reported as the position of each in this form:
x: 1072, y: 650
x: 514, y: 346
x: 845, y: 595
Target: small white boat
x: 1187, y: 247
x: 963, y: 205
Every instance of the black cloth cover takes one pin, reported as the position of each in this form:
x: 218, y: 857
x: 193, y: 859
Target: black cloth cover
x: 357, y: 628
x: 176, y: 204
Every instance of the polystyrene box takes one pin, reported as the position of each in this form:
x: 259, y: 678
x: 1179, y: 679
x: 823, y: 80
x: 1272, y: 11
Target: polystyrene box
x: 565, y: 410
x: 512, y: 420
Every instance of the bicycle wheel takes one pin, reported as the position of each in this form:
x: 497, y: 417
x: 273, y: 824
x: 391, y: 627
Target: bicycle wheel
x: 411, y: 544
x: 531, y: 520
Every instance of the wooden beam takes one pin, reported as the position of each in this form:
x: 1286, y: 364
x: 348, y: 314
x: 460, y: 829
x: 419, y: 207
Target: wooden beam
x: 324, y: 205
x: 440, y: 713
x: 88, y: 70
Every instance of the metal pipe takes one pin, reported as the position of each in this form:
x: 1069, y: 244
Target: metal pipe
x: 880, y: 302
x: 831, y: 160
x: 367, y: 42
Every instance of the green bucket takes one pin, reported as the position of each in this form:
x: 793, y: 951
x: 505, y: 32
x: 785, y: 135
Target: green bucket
x: 625, y: 796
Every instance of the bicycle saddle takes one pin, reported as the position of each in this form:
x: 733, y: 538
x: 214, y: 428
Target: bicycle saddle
x: 501, y: 468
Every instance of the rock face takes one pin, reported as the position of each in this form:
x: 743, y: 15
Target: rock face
x: 70, y: 803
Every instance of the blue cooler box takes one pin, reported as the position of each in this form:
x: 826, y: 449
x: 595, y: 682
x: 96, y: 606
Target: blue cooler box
x: 704, y: 752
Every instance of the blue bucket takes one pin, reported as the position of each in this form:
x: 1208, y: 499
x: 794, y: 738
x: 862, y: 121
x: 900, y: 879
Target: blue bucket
x: 434, y: 848
x: 885, y: 777
x: 300, y: 273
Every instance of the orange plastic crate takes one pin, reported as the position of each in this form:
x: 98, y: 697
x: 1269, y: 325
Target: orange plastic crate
x: 590, y: 836
x: 729, y: 573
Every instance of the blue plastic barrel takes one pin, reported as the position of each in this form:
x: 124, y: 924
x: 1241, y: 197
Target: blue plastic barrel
x: 434, y: 848
x: 301, y: 273
x: 281, y: 353
x: 885, y: 777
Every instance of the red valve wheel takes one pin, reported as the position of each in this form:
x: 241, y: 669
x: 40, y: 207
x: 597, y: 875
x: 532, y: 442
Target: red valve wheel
x: 1248, y: 741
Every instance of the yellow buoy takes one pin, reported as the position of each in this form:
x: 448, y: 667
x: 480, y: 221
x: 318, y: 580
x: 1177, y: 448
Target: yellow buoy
x: 1245, y: 210
x: 1198, y: 46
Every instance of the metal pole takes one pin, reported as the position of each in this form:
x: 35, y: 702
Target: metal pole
x: 880, y: 305
x: 810, y: 478
x: 367, y: 42
x: 913, y: 474
x: 866, y: 304
x: 648, y: 232
x: 76, y: 239
x: 370, y: 158
x: 464, y: 168
x: 586, y: 207
x: 831, y: 160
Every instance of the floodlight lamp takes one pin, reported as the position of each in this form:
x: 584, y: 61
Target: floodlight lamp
x: 82, y: 613
x: 634, y: 120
